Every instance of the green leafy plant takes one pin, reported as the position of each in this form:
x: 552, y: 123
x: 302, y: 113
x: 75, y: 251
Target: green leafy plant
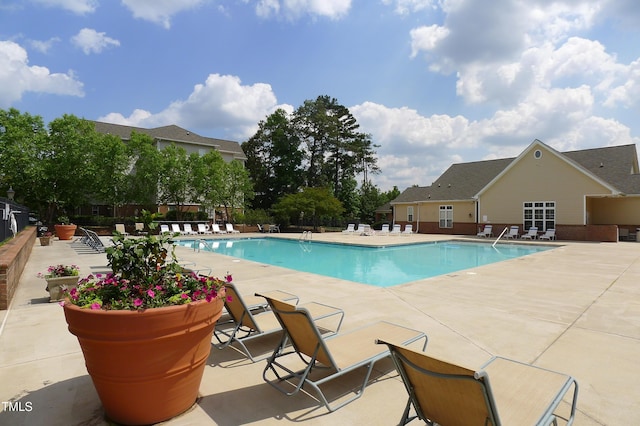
x: 145, y: 274
x: 64, y: 220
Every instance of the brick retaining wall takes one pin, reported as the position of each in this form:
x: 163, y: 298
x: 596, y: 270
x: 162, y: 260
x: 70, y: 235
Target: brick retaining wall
x: 13, y: 258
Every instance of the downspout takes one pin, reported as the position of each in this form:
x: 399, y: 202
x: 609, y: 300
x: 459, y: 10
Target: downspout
x: 418, y: 219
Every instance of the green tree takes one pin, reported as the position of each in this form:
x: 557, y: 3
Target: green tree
x: 336, y: 151
x: 144, y: 164
x: 274, y: 160
x: 67, y: 160
x: 236, y: 188
x: 22, y: 139
x: 317, y: 203
x: 110, y: 168
x: 207, y: 173
x: 174, y: 181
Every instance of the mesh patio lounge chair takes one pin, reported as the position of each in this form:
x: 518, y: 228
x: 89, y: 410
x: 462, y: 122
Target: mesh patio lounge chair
x: 332, y: 356
x: 244, y: 324
x: 503, y: 392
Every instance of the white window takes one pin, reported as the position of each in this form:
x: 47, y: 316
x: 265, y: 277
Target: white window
x: 410, y: 214
x: 446, y: 216
x: 541, y: 214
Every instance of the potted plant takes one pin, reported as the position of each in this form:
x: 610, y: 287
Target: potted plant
x: 145, y: 329
x: 60, y: 278
x: 45, y: 239
x: 65, y: 230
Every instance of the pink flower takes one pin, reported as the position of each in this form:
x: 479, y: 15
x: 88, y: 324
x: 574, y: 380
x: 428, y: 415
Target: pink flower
x: 137, y: 303
x: 184, y: 296
x: 151, y: 293
x: 229, y: 278
x: 95, y: 306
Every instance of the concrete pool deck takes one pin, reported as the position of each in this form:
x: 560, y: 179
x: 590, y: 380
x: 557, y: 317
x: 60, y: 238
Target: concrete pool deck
x: 574, y: 309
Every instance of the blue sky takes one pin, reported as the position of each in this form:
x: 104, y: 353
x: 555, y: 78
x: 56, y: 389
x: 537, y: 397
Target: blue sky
x: 434, y: 82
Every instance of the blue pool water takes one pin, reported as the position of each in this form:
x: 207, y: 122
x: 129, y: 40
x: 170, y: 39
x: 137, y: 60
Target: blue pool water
x: 379, y: 266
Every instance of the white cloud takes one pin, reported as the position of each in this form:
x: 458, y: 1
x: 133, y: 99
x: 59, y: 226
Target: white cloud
x: 415, y: 149
x: 293, y: 9
x: 159, y: 11
x: 221, y: 103
x: 17, y: 77
x: 91, y: 41
x: 43, y: 46
x: 80, y: 7
x: 404, y: 7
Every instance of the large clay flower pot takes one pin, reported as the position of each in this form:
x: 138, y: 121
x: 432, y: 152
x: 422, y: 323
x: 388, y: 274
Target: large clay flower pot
x: 55, y: 286
x: 146, y: 365
x: 65, y: 232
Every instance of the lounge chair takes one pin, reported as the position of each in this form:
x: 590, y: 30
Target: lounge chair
x: 140, y: 229
x: 204, y: 229
x: 366, y: 230
x: 486, y: 232
x: 175, y: 228
x: 230, y: 230
x: 217, y: 230
x: 335, y: 355
x: 503, y: 391
x: 514, y: 233
x: 92, y: 240
x: 164, y: 229
x: 396, y: 230
x: 550, y: 234
x: 385, y: 229
x: 121, y: 229
x: 350, y: 229
x: 531, y: 234
x: 188, y: 230
x: 260, y: 228
x: 244, y: 325
x: 408, y: 229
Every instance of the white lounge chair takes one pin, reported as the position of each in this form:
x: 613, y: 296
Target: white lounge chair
x: 203, y: 228
x: 532, y: 234
x: 121, y: 229
x: 350, y: 229
x: 230, y: 230
x: 175, y: 228
x: 164, y: 229
x: 366, y: 230
x: 486, y: 232
x: 550, y: 234
x: 385, y: 229
x: 188, y: 230
x: 217, y: 230
x: 396, y: 230
x: 408, y: 229
x: 514, y: 233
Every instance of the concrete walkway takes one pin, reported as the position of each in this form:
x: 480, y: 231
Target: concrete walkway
x: 575, y: 309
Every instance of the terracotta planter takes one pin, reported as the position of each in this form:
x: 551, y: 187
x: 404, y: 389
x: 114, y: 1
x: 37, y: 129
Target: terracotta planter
x: 55, y: 286
x: 146, y: 365
x: 45, y: 241
x: 65, y: 232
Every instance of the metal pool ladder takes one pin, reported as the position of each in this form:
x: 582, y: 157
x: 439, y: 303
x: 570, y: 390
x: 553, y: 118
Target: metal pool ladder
x: 306, y: 236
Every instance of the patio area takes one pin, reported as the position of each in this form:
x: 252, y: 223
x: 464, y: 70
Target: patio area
x: 574, y: 309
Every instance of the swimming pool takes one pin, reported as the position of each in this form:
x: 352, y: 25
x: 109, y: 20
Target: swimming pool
x: 379, y: 266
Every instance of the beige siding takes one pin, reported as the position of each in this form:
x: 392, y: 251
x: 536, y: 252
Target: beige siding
x: 548, y: 178
x: 614, y: 211
x: 463, y: 211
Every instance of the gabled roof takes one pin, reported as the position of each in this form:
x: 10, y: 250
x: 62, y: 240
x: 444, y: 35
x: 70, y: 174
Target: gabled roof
x: 616, y: 167
x: 172, y: 133
x: 460, y: 181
